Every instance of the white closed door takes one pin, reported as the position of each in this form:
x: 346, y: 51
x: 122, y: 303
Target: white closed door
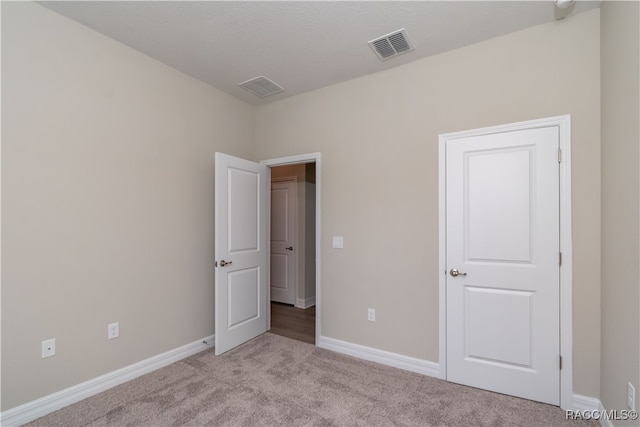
x: 241, y: 251
x: 502, y: 257
x: 283, y: 241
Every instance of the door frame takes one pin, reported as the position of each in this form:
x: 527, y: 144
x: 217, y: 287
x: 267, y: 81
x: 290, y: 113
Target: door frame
x: 566, y: 277
x: 293, y: 160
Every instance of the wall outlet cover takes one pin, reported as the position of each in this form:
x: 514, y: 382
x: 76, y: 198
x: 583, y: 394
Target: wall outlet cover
x: 371, y: 314
x: 113, y: 330
x: 48, y: 348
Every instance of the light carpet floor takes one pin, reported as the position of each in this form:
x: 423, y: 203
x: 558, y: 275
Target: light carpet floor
x: 277, y: 381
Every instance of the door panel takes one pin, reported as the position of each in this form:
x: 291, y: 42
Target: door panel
x: 279, y: 267
x: 244, y: 297
x: 243, y: 191
x: 497, y: 205
x: 488, y: 338
x: 279, y: 203
x: 502, y: 230
x: 241, y: 251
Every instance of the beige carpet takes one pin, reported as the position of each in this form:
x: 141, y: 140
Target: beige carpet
x: 277, y: 381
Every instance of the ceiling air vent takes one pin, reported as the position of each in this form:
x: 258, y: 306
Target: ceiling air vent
x: 261, y: 87
x: 393, y: 44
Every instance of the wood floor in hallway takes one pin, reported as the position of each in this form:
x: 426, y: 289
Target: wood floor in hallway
x: 292, y: 322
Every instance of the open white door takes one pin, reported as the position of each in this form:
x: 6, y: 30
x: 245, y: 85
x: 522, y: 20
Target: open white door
x: 241, y: 305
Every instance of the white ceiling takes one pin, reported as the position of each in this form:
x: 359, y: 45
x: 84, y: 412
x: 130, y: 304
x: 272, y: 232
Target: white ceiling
x: 301, y: 45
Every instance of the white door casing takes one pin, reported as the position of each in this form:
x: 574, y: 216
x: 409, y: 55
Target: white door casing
x: 317, y: 159
x: 241, y: 305
x: 284, y: 240
x: 502, y: 224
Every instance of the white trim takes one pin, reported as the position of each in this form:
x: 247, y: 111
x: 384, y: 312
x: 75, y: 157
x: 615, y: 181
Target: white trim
x: 585, y: 403
x: 604, y: 421
x: 317, y: 159
x: 383, y: 357
x: 268, y: 306
x: 442, y: 259
x: 305, y: 303
x: 591, y: 405
x: 292, y: 160
x: 566, y: 278
x: 285, y: 179
x: 566, y: 271
x: 45, y: 405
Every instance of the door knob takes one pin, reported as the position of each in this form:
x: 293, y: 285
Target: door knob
x: 290, y: 248
x: 455, y: 273
x: 223, y: 263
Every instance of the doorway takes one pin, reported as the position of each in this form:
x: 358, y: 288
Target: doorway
x: 242, y: 215
x: 293, y: 226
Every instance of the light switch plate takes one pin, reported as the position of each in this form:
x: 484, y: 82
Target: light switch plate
x: 338, y: 242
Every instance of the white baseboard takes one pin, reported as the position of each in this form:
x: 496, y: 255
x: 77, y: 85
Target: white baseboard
x: 45, y: 405
x: 592, y: 408
x: 305, y: 303
x: 585, y: 403
x: 604, y: 421
x: 581, y: 403
x: 383, y: 357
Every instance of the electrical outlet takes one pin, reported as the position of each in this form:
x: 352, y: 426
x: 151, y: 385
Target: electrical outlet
x: 113, y: 330
x: 371, y: 314
x: 631, y: 396
x: 48, y: 348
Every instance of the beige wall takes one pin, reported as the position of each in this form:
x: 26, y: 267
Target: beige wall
x: 379, y: 141
x: 620, y: 203
x: 107, y: 202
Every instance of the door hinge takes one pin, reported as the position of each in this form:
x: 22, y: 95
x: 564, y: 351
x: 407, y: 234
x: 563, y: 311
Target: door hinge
x: 560, y: 362
x: 560, y: 259
x: 559, y: 155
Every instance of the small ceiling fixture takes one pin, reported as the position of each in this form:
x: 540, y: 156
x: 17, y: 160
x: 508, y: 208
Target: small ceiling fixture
x: 261, y: 87
x: 563, y: 8
x: 392, y: 44
x: 563, y: 4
